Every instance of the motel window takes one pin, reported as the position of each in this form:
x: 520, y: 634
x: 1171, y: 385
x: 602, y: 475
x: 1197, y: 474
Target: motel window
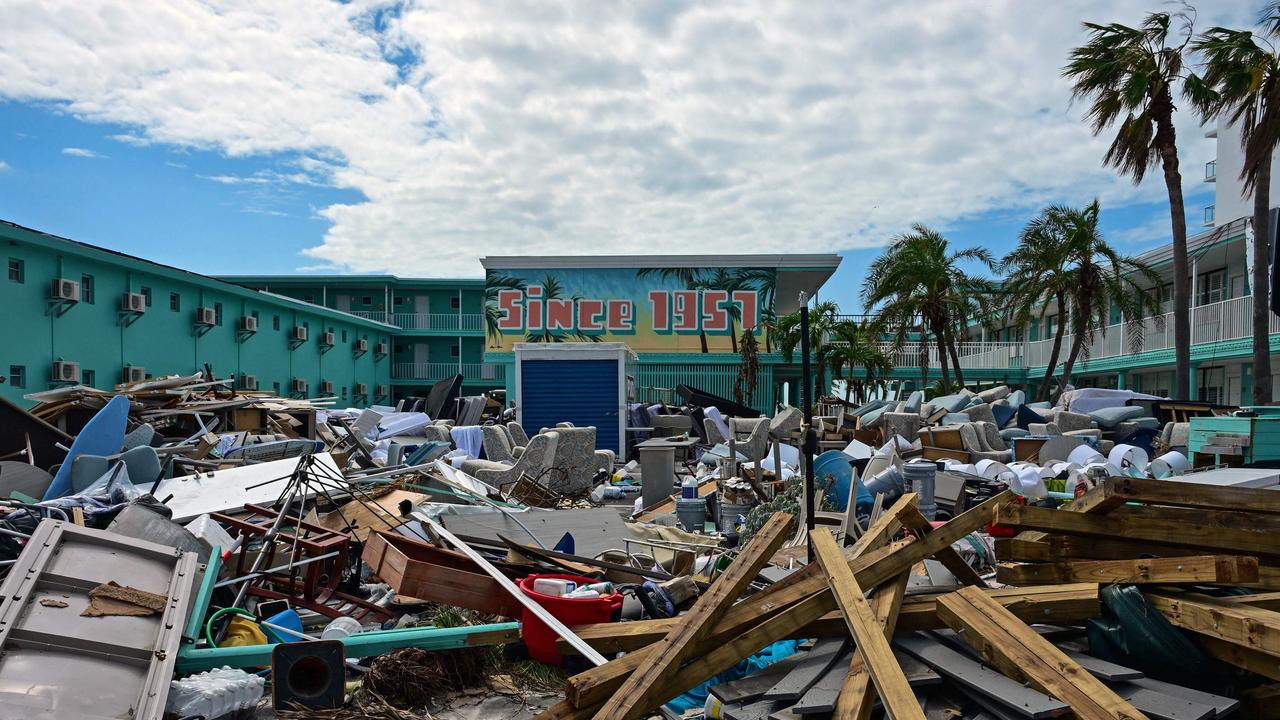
x: 17, y: 270
x: 366, y: 300
x: 344, y: 336
x: 344, y: 392
x: 1211, y: 287
x: 1211, y: 382
x: 175, y: 302
x: 217, y: 314
x: 18, y: 376
x: 146, y: 293
x: 86, y: 289
x: 309, y: 298
x: 275, y: 322
x: 455, y: 302
x: 275, y: 387
x: 453, y: 350
x: 87, y: 377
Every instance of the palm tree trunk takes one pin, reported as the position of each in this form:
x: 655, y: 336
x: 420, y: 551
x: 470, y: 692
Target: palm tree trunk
x: 1058, y: 332
x: 955, y: 358
x: 1166, y: 141
x: 1077, y: 342
x: 924, y: 362
x: 702, y: 335
x: 939, y: 339
x: 1261, y: 283
x: 733, y: 335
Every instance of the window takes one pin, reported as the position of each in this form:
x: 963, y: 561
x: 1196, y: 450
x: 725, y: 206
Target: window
x: 344, y: 392
x: 455, y: 302
x: 1211, y: 286
x: 17, y: 270
x: 86, y: 289
x: 87, y: 377
x: 344, y: 336
x: 18, y: 376
x: 254, y: 314
x: 146, y: 293
x: 453, y: 350
x: 275, y: 387
x: 1235, y: 286
x: 217, y: 314
x: 366, y: 300
x: 1211, y: 382
x: 275, y: 322
x: 398, y: 301
x: 175, y: 302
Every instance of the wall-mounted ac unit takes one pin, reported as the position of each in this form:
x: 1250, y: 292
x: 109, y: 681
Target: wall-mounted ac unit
x: 63, y: 289
x: 362, y: 389
x: 381, y: 391
x: 206, y: 316
x: 326, y: 338
x: 298, y: 386
x: 298, y: 333
x: 362, y: 345
x: 64, y: 371
x: 248, y: 323
x: 134, y: 373
x: 133, y: 302
x: 380, y: 349
x: 326, y: 387
x: 248, y: 382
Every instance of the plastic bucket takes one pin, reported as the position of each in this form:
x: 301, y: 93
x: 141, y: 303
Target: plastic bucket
x: 692, y: 513
x: 833, y: 471
x: 540, y: 639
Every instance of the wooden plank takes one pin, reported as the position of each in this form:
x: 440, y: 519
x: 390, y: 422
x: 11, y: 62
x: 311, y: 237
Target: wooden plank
x: 1055, y: 548
x: 816, y: 663
x: 1102, y: 669
x: 857, y: 693
x: 1219, y: 569
x: 1236, y: 538
x: 636, y: 696
x: 913, y: 520
x: 895, y: 694
x: 1267, y: 666
x: 1019, y: 652
x: 753, y: 686
x: 1116, y: 491
x: 1266, y: 601
x: 594, y: 685
x: 1250, y: 627
x: 979, y: 679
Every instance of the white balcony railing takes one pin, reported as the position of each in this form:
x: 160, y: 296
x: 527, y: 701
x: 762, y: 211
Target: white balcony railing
x: 448, y: 322
x: 972, y: 355
x: 433, y: 371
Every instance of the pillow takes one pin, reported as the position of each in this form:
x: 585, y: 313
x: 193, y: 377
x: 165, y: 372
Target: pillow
x: 1003, y: 414
x: 952, y: 403
x: 998, y: 392
x: 1016, y: 398
x: 1109, y: 417
x: 1014, y: 432
x: 914, y: 400
x: 1026, y: 416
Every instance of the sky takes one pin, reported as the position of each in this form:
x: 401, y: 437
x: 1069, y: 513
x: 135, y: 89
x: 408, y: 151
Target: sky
x: 282, y: 136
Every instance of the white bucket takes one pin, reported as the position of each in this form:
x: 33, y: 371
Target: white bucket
x: 1169, y: 464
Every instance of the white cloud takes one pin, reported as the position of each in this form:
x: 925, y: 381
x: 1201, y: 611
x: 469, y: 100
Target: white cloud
x: 81, y: 152
x: 585, y: 127
x: 5, y: 167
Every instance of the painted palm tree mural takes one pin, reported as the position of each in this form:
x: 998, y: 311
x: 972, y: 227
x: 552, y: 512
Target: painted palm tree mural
x: 493, y: 283
x: 691, y: 278
x: 552, y: 289
x: 765, y: 282
x: 722, y: 279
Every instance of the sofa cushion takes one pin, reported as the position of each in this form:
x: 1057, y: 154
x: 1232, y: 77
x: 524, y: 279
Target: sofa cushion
x: 1003, y: 414
x: 1109, y: 417
x: 1026, y: 416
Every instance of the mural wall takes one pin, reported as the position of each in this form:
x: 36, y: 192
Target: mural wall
x: 654, y: 310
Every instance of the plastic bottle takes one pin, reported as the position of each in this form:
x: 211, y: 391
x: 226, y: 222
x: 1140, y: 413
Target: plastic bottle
x: 689, y: 488
x: 582, y: 594
x: 214, y: 694
x: 553, y: 586
x: 604, y: 588
x: 340, y: 628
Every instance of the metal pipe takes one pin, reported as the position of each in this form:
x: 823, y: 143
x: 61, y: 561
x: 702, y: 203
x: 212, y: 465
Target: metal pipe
x: 276, y: 569
x: 809, y: 441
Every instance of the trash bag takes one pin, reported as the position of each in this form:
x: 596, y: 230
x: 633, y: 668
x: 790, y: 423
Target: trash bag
x: 1134, y: 634
x: 102, y: 500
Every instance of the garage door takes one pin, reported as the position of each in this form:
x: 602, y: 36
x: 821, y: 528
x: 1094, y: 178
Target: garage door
x: 583, y: 392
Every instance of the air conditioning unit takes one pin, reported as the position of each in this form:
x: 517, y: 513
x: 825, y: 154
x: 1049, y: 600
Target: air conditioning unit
x: 362, y: 345
x: 134, y: 373
x: 382, y: 391
x: 298, y: 386
x: 380, y: 349
x: 326, y: 387
x: 248, y: 323
x: 298, y: 333
x: 133, y: 302
x: 248, y: 382
x: 64, y: 371
x: 326, y: 338
x: 362, y: 389
x: 63, y: 289
x: 206, y: 316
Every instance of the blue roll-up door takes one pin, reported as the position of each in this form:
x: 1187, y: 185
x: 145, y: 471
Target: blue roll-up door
x: 583, y: 392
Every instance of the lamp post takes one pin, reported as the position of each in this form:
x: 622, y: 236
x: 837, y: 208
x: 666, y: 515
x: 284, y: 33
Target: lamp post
x: 809, y: 442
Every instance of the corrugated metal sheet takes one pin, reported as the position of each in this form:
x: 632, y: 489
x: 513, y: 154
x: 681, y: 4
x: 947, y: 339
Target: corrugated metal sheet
x: 583, y: 392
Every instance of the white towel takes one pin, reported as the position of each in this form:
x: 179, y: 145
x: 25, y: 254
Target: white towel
x: 469, y: 438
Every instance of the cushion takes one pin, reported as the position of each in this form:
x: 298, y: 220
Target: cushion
x: 1026, y: 416
x: 981, y: 413
x: 1111, y: 416
x: 1016, y: 398
x: 914, y: 401
x: 1013, y: 432
x: 998, y: 392
x: 953, y: 403
x: 1042, y: 405
x: 1003, y: 414
x: 956, y: 418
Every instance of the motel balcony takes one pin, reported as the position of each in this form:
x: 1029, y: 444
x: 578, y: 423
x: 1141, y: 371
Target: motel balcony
x: 442, y: 322
x: 437, y: 371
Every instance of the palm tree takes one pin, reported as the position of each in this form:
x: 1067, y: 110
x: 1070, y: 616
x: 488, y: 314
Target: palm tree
x: 744, y: 387
x: 765, y: 282
x: 823, y: 319
x: 1093, y: 279
x: 493, y: 283
x: 551, y: 290
x: 722, y: 279
x: 1128, y: 75
x: 1241, y: 83
x: 857, y: 348
x: 1038, y: 275
x: 691, y: 278
x: 919, y: 282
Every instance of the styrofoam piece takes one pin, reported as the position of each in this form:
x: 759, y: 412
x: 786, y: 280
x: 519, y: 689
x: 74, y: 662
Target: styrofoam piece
x: 1170, y: 463
x: 858, y: 450
x: 1129, y: 458
x: 1028, y: 482
x: 896, y: 444
x: 210, y: 532
x: 957, y: 466
x: 1085, y: 454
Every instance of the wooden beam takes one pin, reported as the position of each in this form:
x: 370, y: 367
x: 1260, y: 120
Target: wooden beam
x: 1261, y: 703
x: 1055, y: 548
x: 883, y: 528
x: 595, y: 685
x: 635, y: 697
x: 1216, y: 569
x: 1238, y: 538
x: 857, y: 693
x: 1251, y: 627
x: 895, y: 694
x: 1116, y: 491
x: 1263, y: 664
x: 950, y: 559
x: 1266, y: 601
x: 1022, y: 654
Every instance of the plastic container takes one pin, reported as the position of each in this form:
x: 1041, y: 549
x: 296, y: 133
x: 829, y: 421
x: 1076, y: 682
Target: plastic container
x: 689, y: 489
x: 287, y: 619
x: 919, y: 477
x: 554, y: 587
x: 214, y: 694
x: 540, y: 639
x: 729, y: 513
x: 692, y: 513
x: 340, y: 628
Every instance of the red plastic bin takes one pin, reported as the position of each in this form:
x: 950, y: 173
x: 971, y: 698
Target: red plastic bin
x: 540, y: 639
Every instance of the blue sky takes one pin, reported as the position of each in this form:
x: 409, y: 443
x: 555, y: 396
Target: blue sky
x: 396, y: 136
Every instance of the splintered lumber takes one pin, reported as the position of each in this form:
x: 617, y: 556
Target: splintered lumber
x: 778, y: 612
x: 1236, y: 537
x: 1237, y: 623
x: 1219, y: 569
x: 857, y: 694
x: 1054, y: 604
x: 950, y: 559
x: 1022, y: 654
x: 895, y: 693
x: 636, y: 695
x: 883, y: 528
x: 1116, y: 491
x: 1053, y: 548
x: 979, y: 679
x: 1266, y: 601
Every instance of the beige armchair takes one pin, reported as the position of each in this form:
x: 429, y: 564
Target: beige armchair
x: 535, y: 461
